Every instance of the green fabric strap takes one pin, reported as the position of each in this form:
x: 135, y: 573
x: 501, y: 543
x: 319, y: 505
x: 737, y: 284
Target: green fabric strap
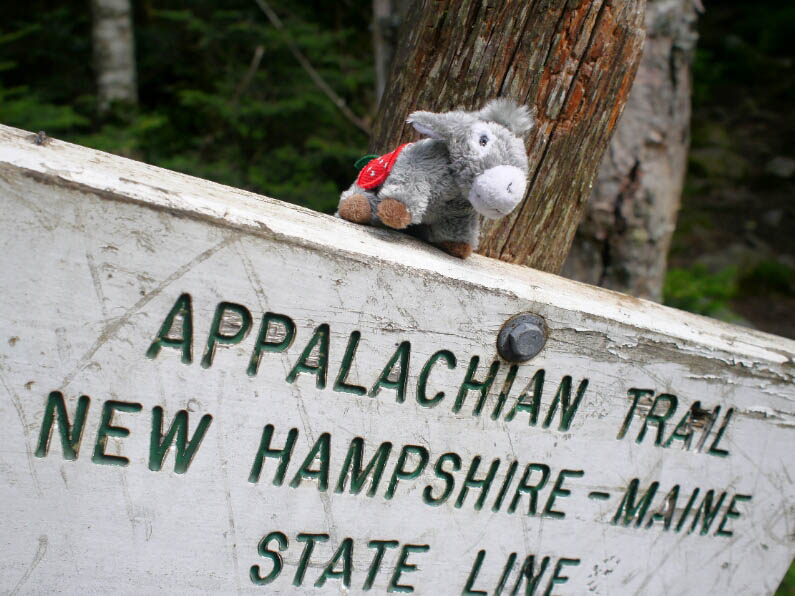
x: 363, y: 161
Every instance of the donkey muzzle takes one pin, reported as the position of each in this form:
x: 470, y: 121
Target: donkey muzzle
x: 497, y: 191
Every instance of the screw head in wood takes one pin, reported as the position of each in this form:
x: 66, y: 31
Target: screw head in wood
x: 522, y: 337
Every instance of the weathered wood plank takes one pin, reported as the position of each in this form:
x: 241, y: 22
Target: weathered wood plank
x: 97, y: 250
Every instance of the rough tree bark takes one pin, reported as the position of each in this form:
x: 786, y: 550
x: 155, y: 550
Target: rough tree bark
x: 622, y: 242
x: 572, y: 62
x: 114, y: 52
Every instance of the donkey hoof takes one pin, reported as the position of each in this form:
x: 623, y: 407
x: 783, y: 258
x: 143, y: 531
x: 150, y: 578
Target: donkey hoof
x: 394, y: 214
x: 458, y: 249
x: 355, y: 208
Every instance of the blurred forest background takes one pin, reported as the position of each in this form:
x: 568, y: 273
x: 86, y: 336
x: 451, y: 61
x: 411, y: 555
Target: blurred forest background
x: 221, y: 95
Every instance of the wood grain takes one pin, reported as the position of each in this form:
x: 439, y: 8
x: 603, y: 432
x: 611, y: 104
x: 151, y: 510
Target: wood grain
x: 573, y: 63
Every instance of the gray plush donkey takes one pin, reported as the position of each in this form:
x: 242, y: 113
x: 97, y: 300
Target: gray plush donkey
x: 473, y: 163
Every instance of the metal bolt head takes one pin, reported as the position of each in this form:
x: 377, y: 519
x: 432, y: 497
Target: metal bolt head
x: 522, y: 337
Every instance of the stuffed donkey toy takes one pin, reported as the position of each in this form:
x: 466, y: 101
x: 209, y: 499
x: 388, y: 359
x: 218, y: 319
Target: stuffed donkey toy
x: 473, y: 163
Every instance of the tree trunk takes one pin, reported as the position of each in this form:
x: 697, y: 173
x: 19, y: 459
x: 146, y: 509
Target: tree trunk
x: 572, y: 62
x: 387, y: 17
x: 623, y: 240
x: 114, y: 52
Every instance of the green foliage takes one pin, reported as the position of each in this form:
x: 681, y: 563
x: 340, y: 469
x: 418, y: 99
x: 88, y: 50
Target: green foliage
x: 736, y: 209
x: 787, y: 587
x: 699, y: 291
x: 20, y: 105
x: 752, y: 48
x: 767, y: 278
x: 23, y: 110
x: 203, y: 109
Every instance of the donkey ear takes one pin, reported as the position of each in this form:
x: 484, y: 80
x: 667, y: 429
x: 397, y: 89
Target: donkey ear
x: 444, y: 126
x: 428, y: 124
x: 512, y: 116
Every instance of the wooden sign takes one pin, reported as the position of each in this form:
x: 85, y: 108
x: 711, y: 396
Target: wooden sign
x: 203, y: 390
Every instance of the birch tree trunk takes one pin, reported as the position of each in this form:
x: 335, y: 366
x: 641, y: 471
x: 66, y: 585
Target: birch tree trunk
x: 114, y: 52
x: 623, y: 241
x: 387, y: 17
x: 572, y: 62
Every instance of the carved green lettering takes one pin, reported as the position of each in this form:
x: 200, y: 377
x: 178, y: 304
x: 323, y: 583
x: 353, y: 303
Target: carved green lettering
x: 528, y: 574
x: 340, y: 384
x: 353, y: 466
x: 470, y: 482
x: 306, y: 554
x: 473, y: 575
x: 534, y: 405
x: 713, y: 448
x: 505, y: 484
x: 70, y: 435
x: 557, y: 578
x: 471, y: 384
x: 216, y: 337
x: 401, y: 472
x: 263, y: 345
x: 506, y: 572
x: 506, y: 389
x: 708, y: 510
x: 712, y: 418
x: 659, y: 419
x: 636, y: 395
x: 731, y: 513
x: 684, y: 430
x: 449, y: 480
x: 274, y: 556
x: 182, y: 308
x: 666, y: 511
x: 320, y: 339
x: 375, y: 566
x: 403, y: 566
x: 185, y: 450
x: 532, y: 489
x: 559, y: 491
x: 422, y: 381
x: 106, y: 429
x: 265, y: 450
x: 321, y: 451
x: 630, y: 509
x: 562, y: 397
x: 687, y: 509
x: 401, y: 356
x: 344, y: 552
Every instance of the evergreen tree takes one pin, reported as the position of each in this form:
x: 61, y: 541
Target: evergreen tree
x: 220, y: 94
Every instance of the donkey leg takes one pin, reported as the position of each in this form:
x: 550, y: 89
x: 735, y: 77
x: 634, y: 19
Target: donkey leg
x: 457, y: 235
x: 402, y: 203
x: 394, y: 213
x: 357, y: 205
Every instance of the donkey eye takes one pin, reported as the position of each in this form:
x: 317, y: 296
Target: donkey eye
x: 484, y: 140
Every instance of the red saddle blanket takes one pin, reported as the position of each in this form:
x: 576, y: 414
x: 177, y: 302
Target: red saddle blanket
x: 377, y: 170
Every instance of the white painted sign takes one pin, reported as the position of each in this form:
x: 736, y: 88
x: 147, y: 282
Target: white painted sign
x: 206, y: 390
